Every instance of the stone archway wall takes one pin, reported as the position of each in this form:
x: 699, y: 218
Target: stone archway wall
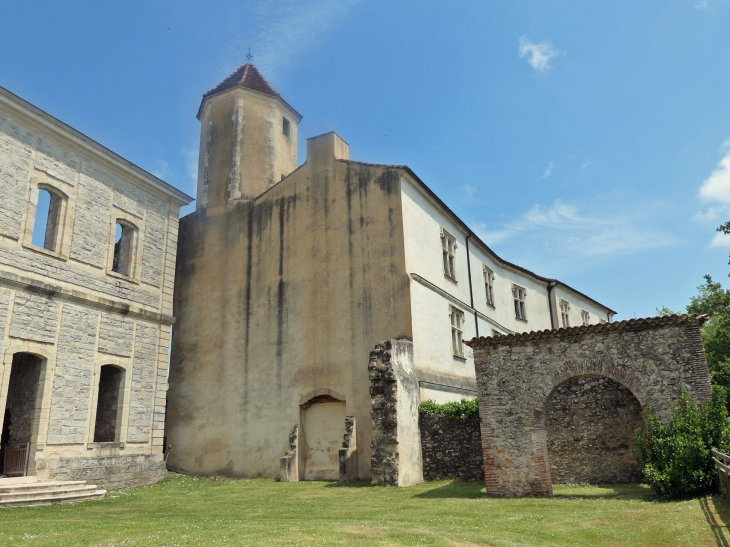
x: 516, y: 374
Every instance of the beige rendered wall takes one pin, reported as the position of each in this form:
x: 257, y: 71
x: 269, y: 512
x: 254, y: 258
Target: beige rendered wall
x: 277, y: 298
x: 243, y: 150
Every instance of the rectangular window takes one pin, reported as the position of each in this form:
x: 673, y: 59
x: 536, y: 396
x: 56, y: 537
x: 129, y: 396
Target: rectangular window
x: 564, y: 315
x: 457, y: 327
x: 286, y: 127
x: 585, y: 317
x: 602, y: 321
x: 519, y: 294
x: 448, y: 244
x: 489, y: 285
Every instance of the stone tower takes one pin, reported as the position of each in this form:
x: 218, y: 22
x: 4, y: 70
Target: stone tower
x: 248, y: 139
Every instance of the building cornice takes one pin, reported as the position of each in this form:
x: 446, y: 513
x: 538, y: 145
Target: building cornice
x: 96, y: 150
x: 81, y: 297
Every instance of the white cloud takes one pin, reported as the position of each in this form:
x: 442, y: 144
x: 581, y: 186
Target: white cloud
x: 702, y: 4
x: 163, y: 169
x: 539, y: 54
x: 716, y: 187
x: 470, y: 190
x: 552, y: 234
x: 191, y: 165
x: 290, y: 29
x: 548, y: 171
x: 720, y: 240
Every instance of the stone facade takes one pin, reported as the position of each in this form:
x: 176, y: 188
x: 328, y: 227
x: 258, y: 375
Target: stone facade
x: 64, y: 304
x: 590, y: 424
x: 517, y: 374
x: 451, y: 448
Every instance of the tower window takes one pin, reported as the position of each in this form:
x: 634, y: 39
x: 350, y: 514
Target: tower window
x: 286, y: 127
x: 46, y: 229
x: 124, y: 242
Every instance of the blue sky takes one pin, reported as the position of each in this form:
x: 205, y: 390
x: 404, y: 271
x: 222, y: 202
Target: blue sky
x: 586, y: 141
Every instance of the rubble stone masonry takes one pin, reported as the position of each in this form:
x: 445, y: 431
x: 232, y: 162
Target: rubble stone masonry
x: 518, y: 374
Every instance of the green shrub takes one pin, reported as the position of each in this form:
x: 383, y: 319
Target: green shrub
x: 464, y: 409
x: 676, y: 457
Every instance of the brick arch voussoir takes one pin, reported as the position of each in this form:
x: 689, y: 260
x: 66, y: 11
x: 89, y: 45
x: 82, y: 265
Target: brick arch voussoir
x: 318, y: 393
x: 553, y: 379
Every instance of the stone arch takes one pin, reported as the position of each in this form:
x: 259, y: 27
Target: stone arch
x: 323, y: 393
x: 42, y: 396
x: 516, y: 375
x: 553, y: 379
x: 321, y: 430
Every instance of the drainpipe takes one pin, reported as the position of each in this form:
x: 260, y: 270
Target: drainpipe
x: 471, y: 292
x: 550, y: 286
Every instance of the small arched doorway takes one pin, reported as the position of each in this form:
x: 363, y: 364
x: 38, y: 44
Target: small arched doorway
x: 323, y: 427
x: 590, y: 424
x: 22, y: 414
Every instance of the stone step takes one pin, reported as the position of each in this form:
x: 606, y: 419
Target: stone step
x: 17, y: 480
x: 57, y: 498
x: 32, y: 486
x: 60, y: 490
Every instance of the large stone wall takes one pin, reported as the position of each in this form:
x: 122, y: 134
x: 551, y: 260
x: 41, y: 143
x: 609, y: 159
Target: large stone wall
x: 516, y: 374
x: 590, y: 423
x: 451, y: 447
x: 66, y: 307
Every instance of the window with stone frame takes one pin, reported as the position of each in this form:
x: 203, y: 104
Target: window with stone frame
x: 48, y: 218
x: 564, y: 314
x: 585, y: 317
x: 125, y: 243
x: 519, y: 294
x: 108, y: 408
x: 489, y: 286
x: 457, y: 330
x: 602, y: 321
x: 286, y: 127
x: 448, y: 244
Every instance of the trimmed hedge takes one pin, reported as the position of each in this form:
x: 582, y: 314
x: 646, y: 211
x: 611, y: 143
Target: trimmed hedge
x: 464, y: 409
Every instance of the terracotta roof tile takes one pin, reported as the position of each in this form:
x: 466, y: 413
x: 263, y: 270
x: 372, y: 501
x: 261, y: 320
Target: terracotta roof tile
x: 629, y: 324
x: 247, y: 76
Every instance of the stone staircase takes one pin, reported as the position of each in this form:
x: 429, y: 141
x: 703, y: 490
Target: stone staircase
x: 29, y: 491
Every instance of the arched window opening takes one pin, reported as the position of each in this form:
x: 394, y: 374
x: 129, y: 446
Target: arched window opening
x: 21, y: 414
x: 46, y: 227
x: 108, y: 406
x: 590, y: 423
x: 123, y: 249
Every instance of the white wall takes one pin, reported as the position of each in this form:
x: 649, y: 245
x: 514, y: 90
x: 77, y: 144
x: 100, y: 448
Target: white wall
x: 435, y: 363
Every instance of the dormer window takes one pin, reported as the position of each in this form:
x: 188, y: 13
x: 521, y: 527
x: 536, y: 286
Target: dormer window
x: 286, y: 127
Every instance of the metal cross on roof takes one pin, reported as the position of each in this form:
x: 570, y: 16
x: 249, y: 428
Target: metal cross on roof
x: 249, y: 57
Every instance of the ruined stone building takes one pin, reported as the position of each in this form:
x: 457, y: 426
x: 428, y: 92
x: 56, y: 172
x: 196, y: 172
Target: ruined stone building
x: 87, y: 263
x: 289, y: 275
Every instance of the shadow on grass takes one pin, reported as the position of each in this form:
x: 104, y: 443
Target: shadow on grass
x: 455, y: 489
x: 719, y: 529
x: 588, y: 491
x: 353, y: 484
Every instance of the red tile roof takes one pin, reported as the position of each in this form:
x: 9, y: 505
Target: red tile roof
x: 247, y: 76
x: 629, y: 324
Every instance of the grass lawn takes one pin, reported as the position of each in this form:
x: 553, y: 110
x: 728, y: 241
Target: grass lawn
x: 185, y: 510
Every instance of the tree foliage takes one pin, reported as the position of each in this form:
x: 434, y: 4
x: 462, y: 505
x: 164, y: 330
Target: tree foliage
x: 676, y: 457
x: 464, y: 409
